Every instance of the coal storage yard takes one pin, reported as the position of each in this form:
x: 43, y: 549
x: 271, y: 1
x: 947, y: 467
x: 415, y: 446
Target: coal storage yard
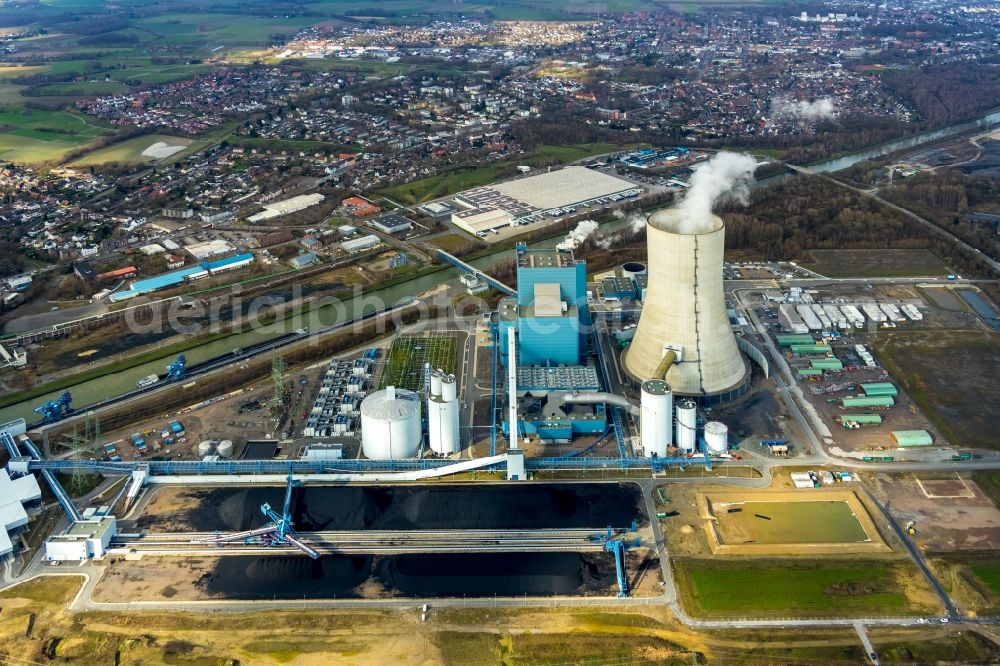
x: 437, y: 507
x: 424, y: 576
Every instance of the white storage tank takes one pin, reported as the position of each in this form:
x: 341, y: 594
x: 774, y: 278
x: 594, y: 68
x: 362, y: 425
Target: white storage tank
x: 687, y: 425
x: 716, y: 437
x: 656, y: 418
x: 442, y: 415
x: 225, y: 448
x: 390, y: 424
x: 631, y: 269
x: 206, y: 447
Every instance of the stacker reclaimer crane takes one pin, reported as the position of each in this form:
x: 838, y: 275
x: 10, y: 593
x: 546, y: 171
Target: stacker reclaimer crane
x: 175, y: 370
x: 278, y: 533
x: 618, y: 546
x: 56, y: 410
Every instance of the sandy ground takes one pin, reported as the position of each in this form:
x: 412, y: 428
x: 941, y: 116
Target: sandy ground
x: 944, y: 523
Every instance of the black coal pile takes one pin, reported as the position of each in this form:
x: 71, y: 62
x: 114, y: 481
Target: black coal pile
x: 458, y: 506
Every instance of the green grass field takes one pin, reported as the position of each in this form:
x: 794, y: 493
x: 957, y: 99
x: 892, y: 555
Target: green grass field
x: 876, y: 263
x: 33, y: 136
x: 130, y: 150
x: 405, y: 365
x: 989, y: 574
x: 717, y: 588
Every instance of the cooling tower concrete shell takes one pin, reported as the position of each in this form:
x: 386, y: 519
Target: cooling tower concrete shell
x: 390, y: 424
x: 685, y: 308
x: 657, y: 418
x: 716, y: 437
x: 687, y: 426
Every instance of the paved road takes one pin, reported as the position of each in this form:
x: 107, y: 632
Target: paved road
x: 859, y: 628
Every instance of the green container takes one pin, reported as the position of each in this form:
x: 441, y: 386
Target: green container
x: 862, y: 419
x: 873, y: 401
x: 810, y: 372
x: 879, y: 388
x: 828, y: 364
x: 810, y: 349
x: 789, y: 340
x: 907, y: 438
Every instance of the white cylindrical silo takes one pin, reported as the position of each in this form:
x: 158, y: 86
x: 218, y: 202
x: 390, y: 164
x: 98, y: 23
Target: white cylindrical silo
x: 687, y: 426
x: 684, y: 308
x: 442, y: 426
x: 225, y: 448
x: 205, y: 448
x: 716, y: 437
x: 449, y: 388
x: 390, y: 424
x: 656, y: 417
x: 436, y: 382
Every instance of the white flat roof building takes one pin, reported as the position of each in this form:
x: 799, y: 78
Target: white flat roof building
x: 360, y: 244
x: 208, y: 249
x: 563, y: 187
x: 82, y: 541
x: 13, y: 494
x: 279, y: 208
x: 481, y: 219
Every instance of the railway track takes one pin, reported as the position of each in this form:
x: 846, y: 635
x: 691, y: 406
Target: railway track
x: 371, y: 542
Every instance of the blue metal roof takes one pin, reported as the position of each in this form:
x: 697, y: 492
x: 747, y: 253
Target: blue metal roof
x: 228, y: 261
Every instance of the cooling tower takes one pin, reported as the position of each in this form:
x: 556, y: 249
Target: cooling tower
x: 684, y: 310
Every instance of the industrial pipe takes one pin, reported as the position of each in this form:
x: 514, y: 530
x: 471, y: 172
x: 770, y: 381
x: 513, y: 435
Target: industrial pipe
x: 668, y: 360
x: 592, y: 397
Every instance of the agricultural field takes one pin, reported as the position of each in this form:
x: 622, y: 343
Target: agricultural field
x: 876, y: 263
x: 957, y: 397
x: 408, y: 354
x: 145, y: 148
x: 808, y: 588
x: 34, y: 136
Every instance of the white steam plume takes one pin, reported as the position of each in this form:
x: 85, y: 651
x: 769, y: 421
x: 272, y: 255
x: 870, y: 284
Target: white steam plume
x: 804, y: 111
x: 725, y: 177
x: 582, y: 232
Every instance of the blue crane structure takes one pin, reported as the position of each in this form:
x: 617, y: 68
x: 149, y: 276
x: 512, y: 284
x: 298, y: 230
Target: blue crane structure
x: 175, y: 370
x: 278, y: 532
x: 56, y: 410
x: 618, y: 546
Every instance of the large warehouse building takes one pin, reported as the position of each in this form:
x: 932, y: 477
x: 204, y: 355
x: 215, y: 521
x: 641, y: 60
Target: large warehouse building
x: 551, y: 193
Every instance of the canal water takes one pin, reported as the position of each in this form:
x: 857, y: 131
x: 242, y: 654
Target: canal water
x: 431, y: 575
x: 434, y: 507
